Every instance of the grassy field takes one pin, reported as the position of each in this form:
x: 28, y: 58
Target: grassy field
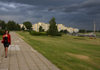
x: 67, y: 52
x: 98, y: 34
x: 0, y: 37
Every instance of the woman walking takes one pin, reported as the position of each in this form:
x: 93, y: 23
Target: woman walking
x: 6, y: 41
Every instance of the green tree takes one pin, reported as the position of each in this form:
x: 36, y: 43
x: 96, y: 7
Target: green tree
x: 28, y: 25
x: 2, y: 24
x: 23, y: 28
x: 41, y: 29
x: 82, y: 30
x: 53, y: 31
x: 61, y: 31
x: 65, y: 31
x: 11, y: 25
x: 18, y: 27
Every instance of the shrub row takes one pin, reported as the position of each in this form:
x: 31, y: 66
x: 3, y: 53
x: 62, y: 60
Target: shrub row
x: 2, y: 32
x: 59, y: 34
x: 38, y: 33
x: 42, y: 33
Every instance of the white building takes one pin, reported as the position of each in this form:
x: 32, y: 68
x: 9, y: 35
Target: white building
x: 61, y: 27
x: 76, y: 30
x: 45, y: 26
x: 37, y: 25
x: 70, y: 30
x: 21, y: 25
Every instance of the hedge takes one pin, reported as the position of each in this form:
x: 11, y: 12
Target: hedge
x: 38, y: 33
x: 2, y: 32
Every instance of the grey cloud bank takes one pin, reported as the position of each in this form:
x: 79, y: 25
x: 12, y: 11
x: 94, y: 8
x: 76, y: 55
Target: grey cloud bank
x: 73, y: 13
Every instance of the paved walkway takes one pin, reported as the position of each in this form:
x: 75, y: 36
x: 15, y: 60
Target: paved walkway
x: 22, y: 57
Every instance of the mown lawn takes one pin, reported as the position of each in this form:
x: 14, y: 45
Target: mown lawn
x: 67, y: 52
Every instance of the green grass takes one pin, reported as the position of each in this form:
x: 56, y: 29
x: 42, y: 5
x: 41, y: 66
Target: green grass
x: 0, y: 37
x: 98, y: 34
x: 67, y: 52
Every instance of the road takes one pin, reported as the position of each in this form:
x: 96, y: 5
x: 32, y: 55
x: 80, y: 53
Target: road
x: 21, y: 56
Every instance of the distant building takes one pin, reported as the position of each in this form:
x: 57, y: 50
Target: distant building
x: 45, y: 26
x: 61, y: 27
x: 21, y: 25
x: 70, y: 30
x: 76, y: 30
x: 36, y: 26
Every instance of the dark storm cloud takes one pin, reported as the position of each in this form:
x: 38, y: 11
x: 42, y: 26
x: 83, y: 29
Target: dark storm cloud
x: 89, y: 6
x: 74, y: 13
x: 81, y: 14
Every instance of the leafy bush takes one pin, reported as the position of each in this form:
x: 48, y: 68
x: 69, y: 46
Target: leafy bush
x: 37, y: 33
x: 2, y: 32
x: 82, y: 31
x: 42, y: 33
x: 59, y: 34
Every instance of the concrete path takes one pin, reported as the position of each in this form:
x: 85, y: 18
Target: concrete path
x: 22, y: 57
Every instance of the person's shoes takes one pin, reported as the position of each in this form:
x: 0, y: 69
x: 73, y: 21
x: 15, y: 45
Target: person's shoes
x: 5, y: 56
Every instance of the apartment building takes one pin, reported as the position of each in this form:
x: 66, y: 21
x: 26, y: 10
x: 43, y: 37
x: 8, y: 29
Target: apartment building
x: 45, y: 26
x: 36, y: 26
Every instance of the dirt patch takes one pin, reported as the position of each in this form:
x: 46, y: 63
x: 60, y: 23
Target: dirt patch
x: 83, y: 57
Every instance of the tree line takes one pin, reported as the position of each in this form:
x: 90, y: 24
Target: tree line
x: 12, y: 25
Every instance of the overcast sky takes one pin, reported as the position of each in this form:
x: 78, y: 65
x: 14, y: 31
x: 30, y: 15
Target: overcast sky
x: 72, y: 13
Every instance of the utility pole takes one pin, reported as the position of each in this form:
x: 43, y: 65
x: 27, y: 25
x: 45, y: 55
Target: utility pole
x: 94, y: 27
